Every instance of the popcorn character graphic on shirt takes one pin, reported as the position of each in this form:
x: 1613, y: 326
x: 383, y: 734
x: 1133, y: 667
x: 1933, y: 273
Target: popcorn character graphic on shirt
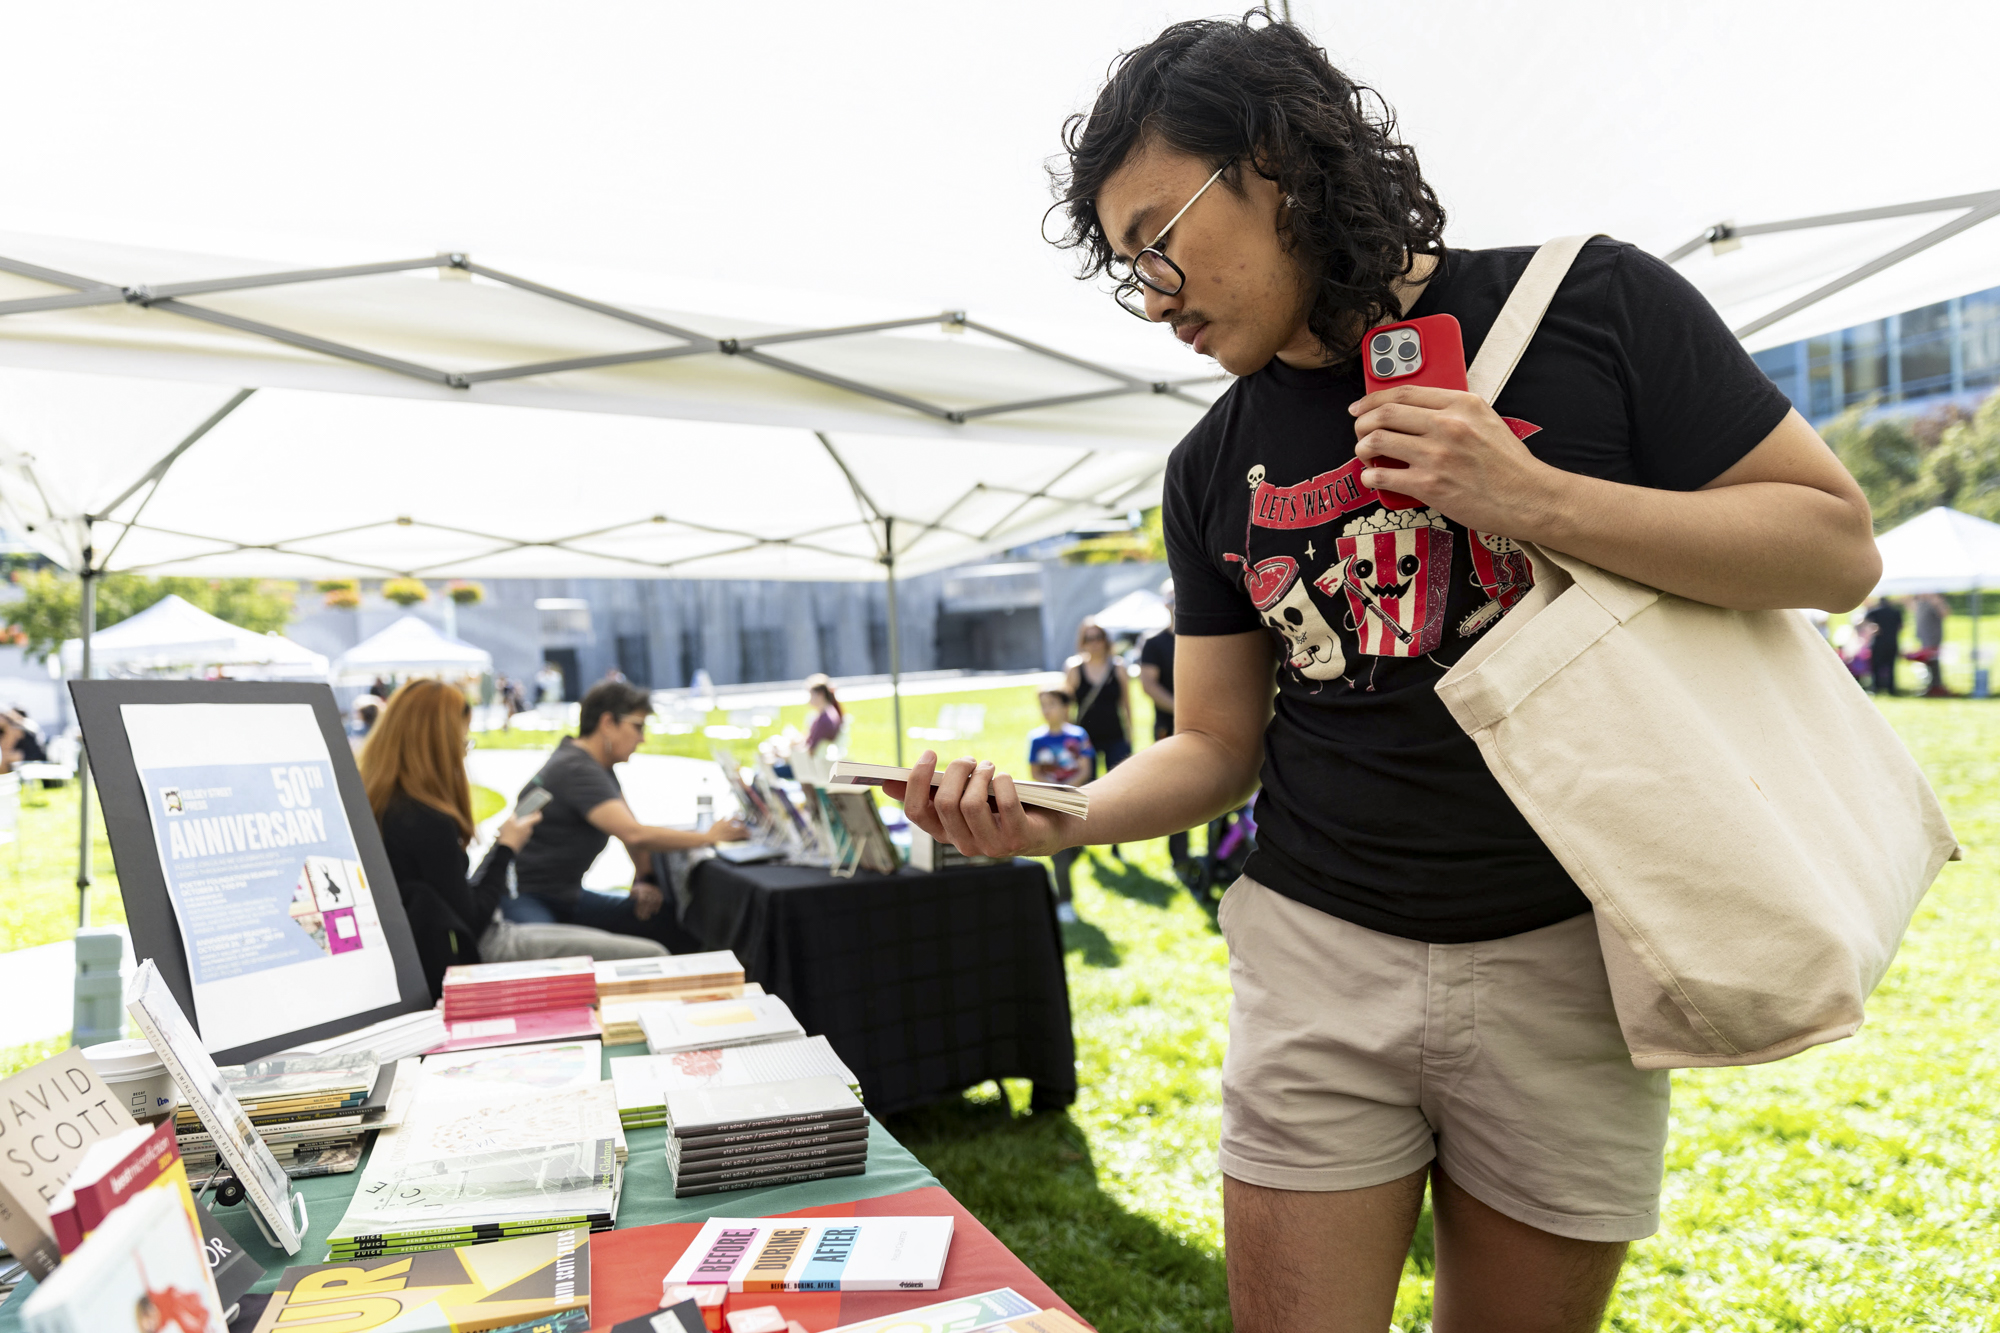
x: 1395, y: 568
x: 1500, y: 567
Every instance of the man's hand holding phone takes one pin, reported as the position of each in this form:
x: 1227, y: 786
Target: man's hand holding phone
x: 1458, y: 456
x: 976, y: 809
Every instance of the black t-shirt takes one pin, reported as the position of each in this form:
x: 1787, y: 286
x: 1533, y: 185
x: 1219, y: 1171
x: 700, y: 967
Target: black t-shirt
x: 1888, y: 622
x: 1158, y: 652
x: 553, y: 862
x: 447, y: 911
x: 1376, y: 807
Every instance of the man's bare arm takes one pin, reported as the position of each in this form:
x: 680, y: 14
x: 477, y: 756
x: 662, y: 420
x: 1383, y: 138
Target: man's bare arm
x: 616, y: 818
x: 1149, y: 681
x: 1208, y: 766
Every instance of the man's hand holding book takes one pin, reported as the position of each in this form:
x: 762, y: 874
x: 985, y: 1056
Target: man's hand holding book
x: 979, y: 810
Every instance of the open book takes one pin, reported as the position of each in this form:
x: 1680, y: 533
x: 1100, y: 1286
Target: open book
x: 1048, y: 795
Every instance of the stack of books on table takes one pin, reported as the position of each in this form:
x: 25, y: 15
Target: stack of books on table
x: 312, y: 1111
x: 620, y: 1018
x: 643, y: 1081
x: 681, y: 976
x: 496, y: 1004
x: 497, y: 1142
x: 761, y: 1134
x: 716, y: 1023
x: 388, y: 1041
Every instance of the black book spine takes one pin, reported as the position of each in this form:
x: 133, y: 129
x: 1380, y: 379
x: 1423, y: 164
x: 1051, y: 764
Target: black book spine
x: 771, y: 1150
x: 749, y: 1131
x: 761, y: 1182
x: 767, y: 1171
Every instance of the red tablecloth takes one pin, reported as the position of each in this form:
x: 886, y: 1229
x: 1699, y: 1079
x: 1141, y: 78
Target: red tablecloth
x: 626, y: 1266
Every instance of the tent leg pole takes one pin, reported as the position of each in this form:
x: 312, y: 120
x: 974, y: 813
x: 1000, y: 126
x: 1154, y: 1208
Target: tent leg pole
x: 83, y: 755
x: 1979, y: 680
x: 895, y: 638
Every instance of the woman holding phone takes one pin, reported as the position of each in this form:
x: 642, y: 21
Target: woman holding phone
x: 413, y: 768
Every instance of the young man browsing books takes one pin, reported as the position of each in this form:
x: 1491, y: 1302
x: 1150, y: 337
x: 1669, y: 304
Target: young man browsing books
x: 1419, y: 998
x: 588, y: 809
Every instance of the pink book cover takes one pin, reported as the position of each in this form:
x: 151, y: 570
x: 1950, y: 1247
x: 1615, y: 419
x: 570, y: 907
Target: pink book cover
x: 544, y: 1025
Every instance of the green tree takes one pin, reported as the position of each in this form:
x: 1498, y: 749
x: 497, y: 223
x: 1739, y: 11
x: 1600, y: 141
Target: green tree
x: 1147, y: 542
x: 1963, y: 470
x: 1887, y: 458
x: 51, y: 605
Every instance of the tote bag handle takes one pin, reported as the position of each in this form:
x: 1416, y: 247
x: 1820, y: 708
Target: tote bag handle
x: 1515, y: 326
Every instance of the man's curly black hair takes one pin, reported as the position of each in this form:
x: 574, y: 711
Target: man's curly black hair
x: 1258, y: 91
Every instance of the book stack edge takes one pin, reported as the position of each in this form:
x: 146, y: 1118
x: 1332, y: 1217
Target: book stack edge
x: 1048, y: 795
x: 762, y: 1134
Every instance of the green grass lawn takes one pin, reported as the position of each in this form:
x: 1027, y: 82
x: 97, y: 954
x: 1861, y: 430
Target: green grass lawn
x: 1852, y: 1188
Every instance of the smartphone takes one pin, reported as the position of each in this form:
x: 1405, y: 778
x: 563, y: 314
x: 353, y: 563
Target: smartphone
x: 1428, y: 351
x: 533, y: 801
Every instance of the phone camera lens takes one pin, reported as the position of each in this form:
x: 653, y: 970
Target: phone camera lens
x: 1408, y: 351
x: 1381, y: 343
x: 1385, y: 367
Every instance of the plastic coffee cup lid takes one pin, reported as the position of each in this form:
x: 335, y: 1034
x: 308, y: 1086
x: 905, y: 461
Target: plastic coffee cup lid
x: 123, y: 1059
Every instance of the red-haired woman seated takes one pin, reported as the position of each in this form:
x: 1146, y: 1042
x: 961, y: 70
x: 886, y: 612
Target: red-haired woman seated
x: 414, y: 770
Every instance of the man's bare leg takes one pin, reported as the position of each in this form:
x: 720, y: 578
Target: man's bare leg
x: 1497, y: 1275
x: 1318, y: 1262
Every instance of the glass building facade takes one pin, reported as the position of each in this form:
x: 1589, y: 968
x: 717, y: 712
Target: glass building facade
x: 1918, y: 358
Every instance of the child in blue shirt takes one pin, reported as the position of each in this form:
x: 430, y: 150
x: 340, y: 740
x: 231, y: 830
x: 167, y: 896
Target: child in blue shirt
x: 1060, y: 751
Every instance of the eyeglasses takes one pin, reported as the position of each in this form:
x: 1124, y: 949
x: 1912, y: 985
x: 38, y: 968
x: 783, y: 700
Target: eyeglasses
x: 1151, y: 267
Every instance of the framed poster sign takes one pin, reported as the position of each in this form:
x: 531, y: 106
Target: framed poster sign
x: 251, y: 868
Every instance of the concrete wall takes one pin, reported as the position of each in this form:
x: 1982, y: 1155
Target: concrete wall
x: 1072, y: 592
x: 740, y: 630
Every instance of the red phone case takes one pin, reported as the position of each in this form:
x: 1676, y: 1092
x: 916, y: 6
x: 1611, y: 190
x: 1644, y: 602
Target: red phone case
x: 1443, y: 368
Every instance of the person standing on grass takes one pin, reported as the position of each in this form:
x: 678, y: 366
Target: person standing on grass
x: 1097, y: 681
x: 1887, y: 646
x: 586, y: 810
x: 1418, y: 994
x: 1060, y: 751
x: 827, y: 716
x: 1156, y: 678
x: 1931, y: 613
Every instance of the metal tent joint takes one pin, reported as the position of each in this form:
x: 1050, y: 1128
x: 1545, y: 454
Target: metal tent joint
x: 169, y: 298
x: 1972, y: 209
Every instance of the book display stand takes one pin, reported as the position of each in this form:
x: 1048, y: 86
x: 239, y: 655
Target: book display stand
x: 241, y: 831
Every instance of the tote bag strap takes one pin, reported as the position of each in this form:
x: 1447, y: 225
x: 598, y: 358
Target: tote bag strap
x: 1516, y: 324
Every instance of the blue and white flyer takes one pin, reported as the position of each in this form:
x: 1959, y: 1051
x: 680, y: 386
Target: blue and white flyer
x: 276, y: 913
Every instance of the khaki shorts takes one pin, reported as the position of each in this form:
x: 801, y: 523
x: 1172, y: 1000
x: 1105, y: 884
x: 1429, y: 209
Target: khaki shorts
x: 1357, y: 1057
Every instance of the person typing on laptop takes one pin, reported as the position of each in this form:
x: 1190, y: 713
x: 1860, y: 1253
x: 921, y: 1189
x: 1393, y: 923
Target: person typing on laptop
x: 586, y: 808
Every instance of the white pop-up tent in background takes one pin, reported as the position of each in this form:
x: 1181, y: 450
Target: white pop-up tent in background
x: 899, y: 374
x: 175, y: 635
x: 410, y: 646
x: 1943, y: 550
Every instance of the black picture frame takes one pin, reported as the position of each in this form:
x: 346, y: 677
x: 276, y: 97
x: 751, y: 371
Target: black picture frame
x: 149, y: 909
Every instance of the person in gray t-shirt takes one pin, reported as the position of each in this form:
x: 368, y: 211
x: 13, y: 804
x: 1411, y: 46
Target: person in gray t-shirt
x: 586, y: 810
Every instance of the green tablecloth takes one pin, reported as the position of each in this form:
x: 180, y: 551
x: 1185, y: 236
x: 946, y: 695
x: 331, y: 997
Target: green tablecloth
x: 648, y: 1197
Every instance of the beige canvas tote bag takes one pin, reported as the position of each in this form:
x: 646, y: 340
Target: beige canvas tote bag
x: 1753, y: 835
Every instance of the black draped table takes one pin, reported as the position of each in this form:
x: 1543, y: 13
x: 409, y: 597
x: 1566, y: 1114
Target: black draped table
x: 925, y: 983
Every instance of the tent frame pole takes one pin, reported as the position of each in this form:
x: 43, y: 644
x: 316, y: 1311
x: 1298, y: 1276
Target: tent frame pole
x: 1979, y: 677
x: 89, y: 616
x: 895, y: 636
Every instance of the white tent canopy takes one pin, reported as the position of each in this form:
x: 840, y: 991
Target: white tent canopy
x: 1940, y: 550
x: 1141, y: 611
x: 410, y: 646
x: 173, y: 633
